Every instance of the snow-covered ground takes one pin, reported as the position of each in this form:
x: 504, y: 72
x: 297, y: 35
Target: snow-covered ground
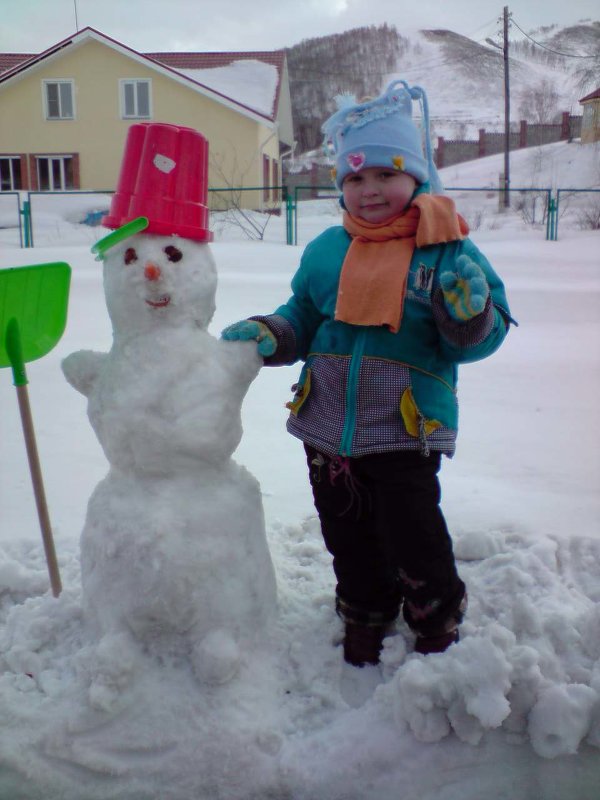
x: 512, y: 711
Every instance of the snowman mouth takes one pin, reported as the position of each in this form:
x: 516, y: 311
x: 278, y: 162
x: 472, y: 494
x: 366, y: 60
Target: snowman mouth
x: 160, y: 302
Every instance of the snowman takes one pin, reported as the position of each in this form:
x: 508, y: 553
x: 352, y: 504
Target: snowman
x: 173, y: 552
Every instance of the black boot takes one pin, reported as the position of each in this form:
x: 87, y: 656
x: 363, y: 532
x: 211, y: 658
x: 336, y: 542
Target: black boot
x: 363, y: 643
x: 436, y: 644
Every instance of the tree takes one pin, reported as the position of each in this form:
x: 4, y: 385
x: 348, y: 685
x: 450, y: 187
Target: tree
x: 539, y: 103
x: 588, y: 74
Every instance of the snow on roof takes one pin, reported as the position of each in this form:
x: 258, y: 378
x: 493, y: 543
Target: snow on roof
x: 252, y: 83
x: 593, y: 96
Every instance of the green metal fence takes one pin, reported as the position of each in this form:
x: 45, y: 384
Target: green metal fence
x: 549, y: 214
x: 272, y: 199
x: 230, y: 198
x: 17, y: 209
x: 594, y: 219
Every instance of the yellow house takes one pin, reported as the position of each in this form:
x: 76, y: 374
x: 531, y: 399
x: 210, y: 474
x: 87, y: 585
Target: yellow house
x: 64, y: 113
x: 590, y: 124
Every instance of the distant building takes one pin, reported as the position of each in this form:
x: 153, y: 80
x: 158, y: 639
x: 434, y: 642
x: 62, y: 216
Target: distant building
x: 590, y: 126
x: 65, y: 113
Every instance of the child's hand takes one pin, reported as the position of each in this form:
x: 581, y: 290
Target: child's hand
x: 249, y: 329
x: 465, y: 291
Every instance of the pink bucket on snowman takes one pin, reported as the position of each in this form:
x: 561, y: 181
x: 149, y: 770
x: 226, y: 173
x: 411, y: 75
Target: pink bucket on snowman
x: 164, y: 177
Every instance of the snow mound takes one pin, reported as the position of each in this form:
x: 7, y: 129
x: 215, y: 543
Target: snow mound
x: 526, y: 670
x: 528, y: 655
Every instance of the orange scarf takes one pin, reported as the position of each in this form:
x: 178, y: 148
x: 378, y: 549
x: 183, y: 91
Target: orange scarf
x: 374, y: 274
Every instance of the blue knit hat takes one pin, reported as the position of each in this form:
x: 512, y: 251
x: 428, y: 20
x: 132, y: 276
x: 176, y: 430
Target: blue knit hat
x: 381, y: 133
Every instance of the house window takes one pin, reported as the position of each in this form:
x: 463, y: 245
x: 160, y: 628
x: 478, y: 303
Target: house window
x: 135, y: 99
x: 58, y: 99
x: 10, y: 173
x: 55, y: 173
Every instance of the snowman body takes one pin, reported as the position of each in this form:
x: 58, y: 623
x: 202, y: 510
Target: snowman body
x: 173, y: 550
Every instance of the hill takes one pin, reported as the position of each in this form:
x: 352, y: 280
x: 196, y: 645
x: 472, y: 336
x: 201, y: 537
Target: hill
x: 464, y: 78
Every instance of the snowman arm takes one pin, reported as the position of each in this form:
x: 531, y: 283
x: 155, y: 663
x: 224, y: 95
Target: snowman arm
x: 82, y: 368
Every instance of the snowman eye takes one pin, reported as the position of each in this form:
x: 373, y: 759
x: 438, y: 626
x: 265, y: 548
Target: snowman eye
x: 130, y: 256
x: 173, y: 254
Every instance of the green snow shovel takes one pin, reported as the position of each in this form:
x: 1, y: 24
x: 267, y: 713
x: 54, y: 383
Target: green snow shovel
x: 33, y: 315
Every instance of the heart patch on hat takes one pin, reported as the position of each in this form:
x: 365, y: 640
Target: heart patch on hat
x: 356, y: 161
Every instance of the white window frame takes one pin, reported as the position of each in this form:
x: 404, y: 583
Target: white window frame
x: 11, y: 159
x: 50, y: 157
x: 62, y: 117
x: 123, y: 83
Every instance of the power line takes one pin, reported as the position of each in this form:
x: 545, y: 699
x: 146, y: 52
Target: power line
x: 543, y: 46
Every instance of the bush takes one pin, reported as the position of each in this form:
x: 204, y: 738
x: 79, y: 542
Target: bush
x: 588, y: 218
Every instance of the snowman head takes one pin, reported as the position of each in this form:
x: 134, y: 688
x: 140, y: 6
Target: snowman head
x: 159, y: 281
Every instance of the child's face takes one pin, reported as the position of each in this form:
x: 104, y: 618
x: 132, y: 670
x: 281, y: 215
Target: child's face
x: 377, y: 194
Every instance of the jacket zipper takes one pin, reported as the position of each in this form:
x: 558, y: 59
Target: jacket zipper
x: 351, y: 394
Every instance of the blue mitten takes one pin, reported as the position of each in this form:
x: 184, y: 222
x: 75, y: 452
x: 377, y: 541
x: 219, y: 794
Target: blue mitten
x: 465, y: 291
x: 251, y: 329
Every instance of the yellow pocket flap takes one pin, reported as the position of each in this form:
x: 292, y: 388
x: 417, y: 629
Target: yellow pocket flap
x: 302, y: 393
x: 413, y: 418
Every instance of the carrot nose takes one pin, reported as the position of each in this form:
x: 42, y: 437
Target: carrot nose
x: 151, y: 272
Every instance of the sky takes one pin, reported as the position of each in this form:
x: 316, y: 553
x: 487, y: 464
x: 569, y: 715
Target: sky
x: 213, y: 25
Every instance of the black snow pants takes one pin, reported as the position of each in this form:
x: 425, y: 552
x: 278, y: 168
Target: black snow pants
x: 382, y: 523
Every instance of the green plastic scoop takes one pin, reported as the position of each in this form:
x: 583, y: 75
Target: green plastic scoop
x: 33, y: 315
x: 124, y: 232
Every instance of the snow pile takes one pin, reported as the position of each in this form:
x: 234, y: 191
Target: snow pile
x: 528, y: 660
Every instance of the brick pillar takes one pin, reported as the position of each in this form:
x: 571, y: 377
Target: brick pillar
x: 33, y: 178
x: 440, y: 153
x: 481, y: 148
x: 24, y: 171
x: 523, y: 133
x: 565, y: 126
x: 76, y: 172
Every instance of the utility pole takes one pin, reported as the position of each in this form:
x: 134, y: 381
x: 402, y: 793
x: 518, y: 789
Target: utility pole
x: 506, y: 114
x: 504, y: 48
x: 76, y: 20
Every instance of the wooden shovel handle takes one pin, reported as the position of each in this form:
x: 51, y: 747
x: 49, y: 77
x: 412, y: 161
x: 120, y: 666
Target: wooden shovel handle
x: 38, y: 489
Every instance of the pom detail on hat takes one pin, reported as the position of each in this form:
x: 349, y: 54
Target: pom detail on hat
x: 344, y: 100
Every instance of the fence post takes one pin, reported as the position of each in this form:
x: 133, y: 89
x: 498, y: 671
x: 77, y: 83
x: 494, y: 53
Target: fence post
x: 481, y: 143
x: 440, y: 152
x: 551, y: 227
x: 296, y: 215
x: 523, y: 135
x: 26, y: 225
x: 289, y: 216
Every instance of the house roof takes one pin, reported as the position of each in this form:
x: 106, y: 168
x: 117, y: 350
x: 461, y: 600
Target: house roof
x: 593, y: 96
x: 177, y: 65
x: 10, y: 60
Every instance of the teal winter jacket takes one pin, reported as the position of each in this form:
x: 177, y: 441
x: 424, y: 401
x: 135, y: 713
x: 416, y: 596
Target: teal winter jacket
x: 364, y: 389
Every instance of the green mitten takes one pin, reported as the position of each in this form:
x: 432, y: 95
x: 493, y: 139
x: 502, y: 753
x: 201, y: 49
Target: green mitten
x: 251, y: 329
x: 465, y: 290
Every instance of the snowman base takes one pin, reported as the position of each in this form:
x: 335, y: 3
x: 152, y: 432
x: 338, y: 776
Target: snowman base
x: 181, y: 565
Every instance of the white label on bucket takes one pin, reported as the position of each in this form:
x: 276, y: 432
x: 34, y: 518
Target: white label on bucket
x: 163, y: 163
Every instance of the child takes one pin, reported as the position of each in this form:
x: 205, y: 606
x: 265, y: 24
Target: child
x: 383, y: 310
